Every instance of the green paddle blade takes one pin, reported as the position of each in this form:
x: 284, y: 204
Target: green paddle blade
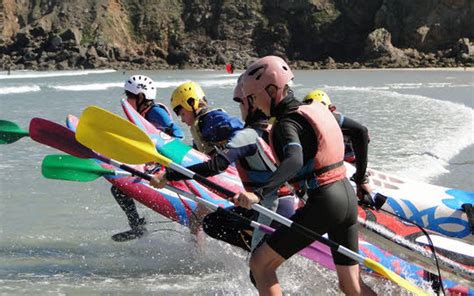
x: 10, y: 132
x: 70, y: 168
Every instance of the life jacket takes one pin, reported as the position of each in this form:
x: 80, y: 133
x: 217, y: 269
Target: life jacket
x: 146, y: 114
x: 256, y: 169
x: 219, y: 126
x: 327, y: 166
x: 198, y: 139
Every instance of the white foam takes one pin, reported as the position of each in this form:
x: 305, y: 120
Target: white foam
x: 19, y: 89
x: 444, y: 136
x: 235, y: 75
x: 355, y: 88
x: 404, y: 85
x: 397, y: 86
x: 218, y: 83
x: 438, y: 85
x: 40, y: 74
x: 221, y: 83
x: 88, y: 87
x: 168, y: 84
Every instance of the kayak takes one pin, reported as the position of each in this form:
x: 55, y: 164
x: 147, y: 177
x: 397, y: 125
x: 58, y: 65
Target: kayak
x: 186, y: 156
x: 182, y: 210
x: 179, y: 152
x: 455, y: 258
x: 436, y: 208
x: 191, y: 156
x: 169, y: 205
x: 433, y: 207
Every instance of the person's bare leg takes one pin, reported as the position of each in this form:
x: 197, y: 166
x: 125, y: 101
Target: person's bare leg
x: 350, y: 282
x: 195, y: 225
x: 263, y: 264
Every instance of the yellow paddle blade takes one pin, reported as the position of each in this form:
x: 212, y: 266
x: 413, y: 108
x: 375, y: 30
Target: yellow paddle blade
x: 116, y: 138
x: 380, y: 269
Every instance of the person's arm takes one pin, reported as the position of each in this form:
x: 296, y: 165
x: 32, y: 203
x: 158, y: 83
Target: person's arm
x: 359, y: 136
x: 217, y: 164
x: 287, y: 136
x: 162, y: 120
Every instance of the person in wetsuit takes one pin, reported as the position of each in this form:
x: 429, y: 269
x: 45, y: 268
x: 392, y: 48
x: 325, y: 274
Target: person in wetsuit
x: 241, y: 146
x: 356, y: 140
x: 206, y: 124
x: 308, y: 143
x: 140, y: 92
x: 189, y: 103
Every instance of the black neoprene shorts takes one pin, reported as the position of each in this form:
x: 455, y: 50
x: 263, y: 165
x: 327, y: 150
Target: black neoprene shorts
x: 330, y: 209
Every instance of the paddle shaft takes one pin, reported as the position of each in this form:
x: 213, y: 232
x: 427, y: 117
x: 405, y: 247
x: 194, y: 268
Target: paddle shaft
x: 123, y: 167
x: 214, y: 208
x: 98, y: 126
x: 305, y: 231
x: 275, y: 216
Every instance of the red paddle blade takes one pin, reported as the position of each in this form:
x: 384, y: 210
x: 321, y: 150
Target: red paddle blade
x: 57, y: 136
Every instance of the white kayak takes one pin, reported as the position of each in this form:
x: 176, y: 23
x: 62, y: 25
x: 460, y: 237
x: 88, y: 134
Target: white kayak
x: 437, y: 208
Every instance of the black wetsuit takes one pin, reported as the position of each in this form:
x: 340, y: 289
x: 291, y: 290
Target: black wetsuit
x: 359, y: 138
x: 330, y: 208
x: 160, y: 118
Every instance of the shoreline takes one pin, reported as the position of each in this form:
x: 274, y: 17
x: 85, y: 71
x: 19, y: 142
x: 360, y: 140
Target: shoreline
x: 446, y: 69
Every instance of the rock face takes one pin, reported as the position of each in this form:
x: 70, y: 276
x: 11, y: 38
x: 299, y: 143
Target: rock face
x: 379, y: 49
x: 150, y: 34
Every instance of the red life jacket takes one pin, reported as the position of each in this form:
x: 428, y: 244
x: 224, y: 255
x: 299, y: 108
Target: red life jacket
x: 328, y: 164
x: 254, y: 170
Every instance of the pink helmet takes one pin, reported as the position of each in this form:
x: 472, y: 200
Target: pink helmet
x: 266, y: 71
x: 241, y: 99
x: 238, y: 93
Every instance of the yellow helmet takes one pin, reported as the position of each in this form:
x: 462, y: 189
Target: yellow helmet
x: 318, y: 95
x: 187, y: 95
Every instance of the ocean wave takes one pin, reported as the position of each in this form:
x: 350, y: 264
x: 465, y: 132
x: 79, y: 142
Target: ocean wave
x: 396, y: 86
x: 444, y: 136
x: 40, y: 74
x: 88, y: 87
x: 355, y: 88
x: 19, y: 89
x: 404, y: 85
x: 221, y: 83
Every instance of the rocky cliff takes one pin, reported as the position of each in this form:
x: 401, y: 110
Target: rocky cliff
x: 152, y: 34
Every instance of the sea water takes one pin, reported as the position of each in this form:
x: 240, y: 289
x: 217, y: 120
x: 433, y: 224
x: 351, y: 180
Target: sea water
x: 55, y: 235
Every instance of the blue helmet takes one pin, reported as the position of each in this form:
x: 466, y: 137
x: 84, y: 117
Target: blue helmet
x: 217, y: 126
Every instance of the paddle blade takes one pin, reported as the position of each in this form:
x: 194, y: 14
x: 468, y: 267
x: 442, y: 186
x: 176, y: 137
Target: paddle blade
x: 57, y: 136
x: 116, y: 138
x: 10, y: 132
x: 380, y: 269
x: 70, y: 168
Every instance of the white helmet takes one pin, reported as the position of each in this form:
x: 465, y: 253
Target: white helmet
x: 141, y: 84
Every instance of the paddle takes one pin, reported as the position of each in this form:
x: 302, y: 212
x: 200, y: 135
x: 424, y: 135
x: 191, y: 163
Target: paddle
x: 57, y: 136
x: 117, y: 138
x: 10, y: 132
x: 70, y: 168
